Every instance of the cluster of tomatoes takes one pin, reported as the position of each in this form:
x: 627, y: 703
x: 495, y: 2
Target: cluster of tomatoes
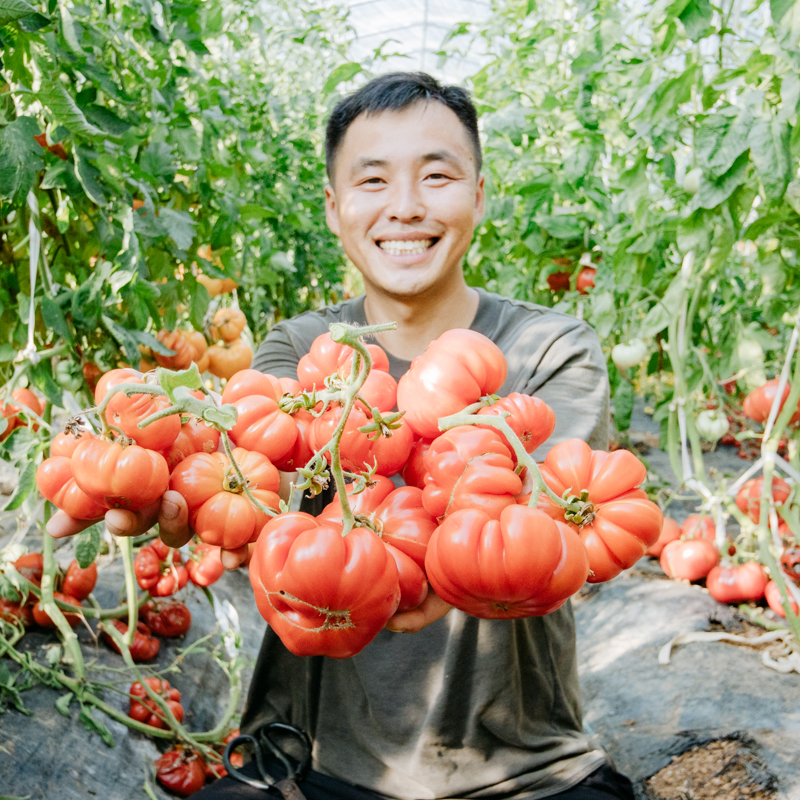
x: 689, y: 552
x: 184, y: 771
x: 560, y: 281
x: 72, y: 588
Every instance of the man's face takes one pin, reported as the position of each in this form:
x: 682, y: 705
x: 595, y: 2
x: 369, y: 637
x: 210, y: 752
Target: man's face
x: 405, y: 198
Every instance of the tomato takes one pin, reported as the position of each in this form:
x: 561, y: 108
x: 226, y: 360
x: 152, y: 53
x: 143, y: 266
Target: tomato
x: 758, y: 403
x: 118, y: 477
x: 523, y: 565
x: 56, y: 483
x: 354, y: 446
x: 219, y: 512
x: 690, y: 559
x: 529, y: 417
x: 414, y: 470
x: 712, y: 424
x: 629, y: 354
x: 301, y: 453
x: 321, y: 592
x: 27, y: 400
x: 263, y: 427
x: 790, y: 562
x: 160, y: 571
x: 248, y: 382
x: 65, y: 442
x: 91, y: 374
x: 469, y: 467
x: 144, y: 647
x: 730, y: 584
x: 455, y: 370
x: 144, y: 709
x: 669, y: 533
x: 181, y: 771
x: 43, y: 618
x: 772, y: 593
x: 697, y: 527
x: 205, y: 566
x: 195, y: 436
x: 618, y: 522
x: 16, y: 612
x: 183, y: 351
x: 748, y: 500
x: 559, y: 281
x: 391, y: 451
x: 79, y: 582
x: 127, y: 412
x: 225, y: 360
x: 217, y: 286
x: 67, y: 377
x: 197, y: 342
x: 227, y: 324
x: 168, y: 619
x: 31, y: 567
x: 585, y: 280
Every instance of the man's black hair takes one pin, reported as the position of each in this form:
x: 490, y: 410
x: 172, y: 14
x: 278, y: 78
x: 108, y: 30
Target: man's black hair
x: 396, y: 92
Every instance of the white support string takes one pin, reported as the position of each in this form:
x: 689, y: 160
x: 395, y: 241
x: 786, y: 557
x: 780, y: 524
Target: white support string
x: 34, y: 246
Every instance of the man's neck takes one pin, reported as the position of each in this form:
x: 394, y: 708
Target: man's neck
x: 420, y: 319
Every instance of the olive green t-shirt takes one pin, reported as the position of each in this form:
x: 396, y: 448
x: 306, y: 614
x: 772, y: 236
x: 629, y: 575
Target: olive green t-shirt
x: 466, y: 708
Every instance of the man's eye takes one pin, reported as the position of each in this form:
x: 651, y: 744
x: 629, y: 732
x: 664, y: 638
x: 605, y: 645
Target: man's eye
x: 438, y: 176
x: 372, y: 181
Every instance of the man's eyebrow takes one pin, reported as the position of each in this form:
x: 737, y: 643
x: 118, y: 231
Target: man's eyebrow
x: 367, y: 163
x: 364, y: 162
x: 441, y: 155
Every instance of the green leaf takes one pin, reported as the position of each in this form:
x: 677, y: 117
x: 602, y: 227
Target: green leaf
x: 127, y: 340
x: 623, y: 405
x: 7, y: 353
x: 722, y: 138
x: 696, y: 19
x: 769, y: 149
x: 56, y: 97
x: 42, y: 375
x: 11, y: 10
x: 561, y: 226
x: 21, y: 443
x: 180, y: 226
x: 87, y: 175
x: 54, y: 319
x: 792, y: 196
x: 95, y: 726
x: 62, y: 704
x: 54, y: 177
x: 27, y: 480
x: 169, y: 381
x: 33, y: 22
x: 662, y: 313
x: 21, y: 157
x: 87, y: 545
x: 201, y: 300
x: 786, y: 20
x: 256, y: 212
x: 712, y: 193
x: 225, y: 416
x: 344, y: 72
x: 157, y: 161
x: 106, y: 119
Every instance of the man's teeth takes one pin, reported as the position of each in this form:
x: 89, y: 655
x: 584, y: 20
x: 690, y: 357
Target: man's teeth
x: 404, y: 248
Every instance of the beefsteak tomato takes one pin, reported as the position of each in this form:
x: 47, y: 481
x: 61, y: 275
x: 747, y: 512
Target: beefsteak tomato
x: 79, y: 582
x: 169, y: 618
x: 529, y: 417
x: 204, y: 564
x: 57, y: 484
x: 669, y: 533
x: 748, y: 500
x: 736, y: 584
x: 772, y: 593
x: 181, y: 771
x: 758, y: 403
x: 144, y: 709
x: 689, y: 559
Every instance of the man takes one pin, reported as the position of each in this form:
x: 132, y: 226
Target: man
x: 464, y: 708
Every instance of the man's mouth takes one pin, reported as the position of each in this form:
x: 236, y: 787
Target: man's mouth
x: 406, y: 247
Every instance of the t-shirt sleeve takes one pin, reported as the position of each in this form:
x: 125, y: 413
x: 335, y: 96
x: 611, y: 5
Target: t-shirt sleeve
x: 571, y: 377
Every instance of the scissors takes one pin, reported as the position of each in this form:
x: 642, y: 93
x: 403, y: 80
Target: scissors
x: 264, y: 745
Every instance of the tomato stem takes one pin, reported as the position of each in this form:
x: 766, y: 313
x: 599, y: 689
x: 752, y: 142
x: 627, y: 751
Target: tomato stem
x: 226, y: 444
x: 523, y: 457
x: 126, y: 548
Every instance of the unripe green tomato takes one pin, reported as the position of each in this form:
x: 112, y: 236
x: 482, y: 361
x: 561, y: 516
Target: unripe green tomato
x: 691, y: 183
x: 67, y: 378
x: 712, y: 425
x: 629, y: 354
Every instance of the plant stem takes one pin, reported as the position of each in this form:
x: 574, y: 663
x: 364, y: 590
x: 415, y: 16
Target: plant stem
x: 125, y: 544
x: 226, y: 444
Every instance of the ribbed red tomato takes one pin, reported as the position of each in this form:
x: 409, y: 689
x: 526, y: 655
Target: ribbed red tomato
x: 31, y: 567
x: 523, y: 565
x: 25, y: 399
x: 43, y: 618
x: 181, y: 771
x: 414, y: 470
x: 261, y: 426
x: 117, y: 477
x: 748, y: 499
x: 195, y: 436
x: 65, y: 442
x: 669, y: 533
x: 204, y: 565
x: 758, y: 403
x: 697, y: 527
x: 690, y: 559
x: 127, y: 412
x: 301, y: 452
x: 618, y: 523
x: 321, y: 592
x: 529, y: 417
x: 456, y: 370
x: 169, y: 618
x: 248, y: 382
x: 144, y: 646
x: 160, y: 569
x: 772, y: 593
x: 15, y: 612
x: 469, y: 467
x: 145, y: 710
x: 56, y: 483
x: 736, y: 584
x: 585, y: 280
x: 219, y: 511
x: 79, y: 581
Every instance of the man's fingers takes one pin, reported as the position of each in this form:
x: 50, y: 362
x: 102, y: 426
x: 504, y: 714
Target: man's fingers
x: 121, y: 522
x: 61, y: 525
x: 432, y: 608
x: 173, y: 520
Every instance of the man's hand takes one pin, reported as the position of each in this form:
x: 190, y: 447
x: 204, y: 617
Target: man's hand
x: 170, y: 512
x: 432, y: 608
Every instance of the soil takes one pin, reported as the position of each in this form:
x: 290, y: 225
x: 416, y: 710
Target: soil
x: 725, y: 769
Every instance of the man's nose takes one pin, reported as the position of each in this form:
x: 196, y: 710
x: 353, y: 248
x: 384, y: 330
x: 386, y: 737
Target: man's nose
x: 405, y: 202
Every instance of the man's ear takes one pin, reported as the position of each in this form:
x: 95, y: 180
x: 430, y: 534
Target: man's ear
x: 332, y: 210
x: 480, y: 201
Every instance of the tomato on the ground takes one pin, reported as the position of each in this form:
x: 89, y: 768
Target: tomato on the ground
x: 167, y: 619
x: 79, y: 582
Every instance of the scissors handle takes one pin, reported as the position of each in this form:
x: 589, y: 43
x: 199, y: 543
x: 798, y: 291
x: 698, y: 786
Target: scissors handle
x: 237, y: 774
x: 292, y: 772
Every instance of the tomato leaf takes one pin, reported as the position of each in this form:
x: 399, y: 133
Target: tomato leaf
x: 769, y: 149
x: 43, y: 380
x: 95, y: 726
x: 20, y: 444
x: 344, y: 72
x: 53, y: 318
x: 179, y: 225
x: 169, y: 381
x: 65, y: 110
x: 127, y: 340
x: 225, y: 416
x: 11, y: 10
x: 27, y: 480
x: 87, y: 545
x: 623, y: 405
x: 201, y: 300
x: 21, y: 157
x: 62, y: 704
